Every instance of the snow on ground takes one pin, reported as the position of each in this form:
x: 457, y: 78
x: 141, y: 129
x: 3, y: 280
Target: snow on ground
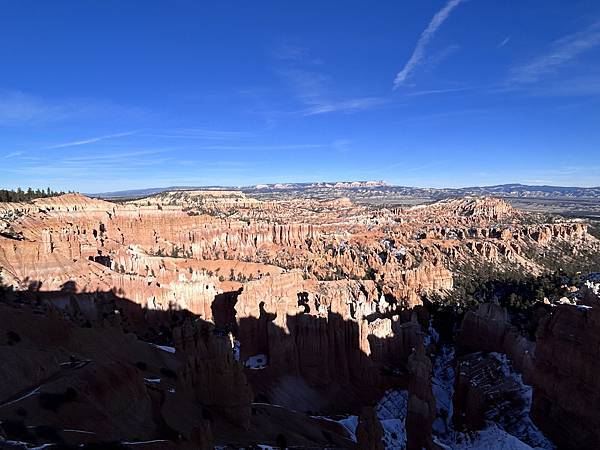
x: 257, y: 361
x: 391, y: 412
x: 520, y: 424
x: 78, y: 431
x: 432, y: 336
x: 493, y: 437
x: 350, y: 423
x: 152, y: 380
x: 29, y: 394
x: 18, y: 445
x: 517, y: 432
x: 442, y: 385
x: 592, y: 282
x: 166, y: 348
x: 235, y: 346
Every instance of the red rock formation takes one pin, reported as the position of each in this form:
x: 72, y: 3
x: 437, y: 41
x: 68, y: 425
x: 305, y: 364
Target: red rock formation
x: 421, y: 403
x: 319, y: 288
x: 481, y: 391
x: 487, y: 328
x: 566, y: 384
x: 210, y: 374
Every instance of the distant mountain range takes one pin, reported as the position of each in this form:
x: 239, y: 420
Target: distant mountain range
x: 382, y: 188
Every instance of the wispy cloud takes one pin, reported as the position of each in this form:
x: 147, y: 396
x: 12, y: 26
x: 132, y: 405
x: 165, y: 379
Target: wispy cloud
x: 112, y: 157
x: 199, y: 133
x: 438, y: 91
x: 17, y: 107
x: 563, y: 51
x: 23, y: 109
x: 504, y: 42
x: 261, y: 147
x: 419, y: 52
x: 350, y: 105
x: 11, y: 155
x: 311, y: 88
x: 90, y: 140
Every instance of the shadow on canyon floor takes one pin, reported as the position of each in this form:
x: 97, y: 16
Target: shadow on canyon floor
x: 315, y: 365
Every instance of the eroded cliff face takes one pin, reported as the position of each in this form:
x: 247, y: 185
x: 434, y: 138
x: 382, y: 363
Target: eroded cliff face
x: 566, y: 384
x: 307, y: 304
x: 165, y: 255
x: 210, y: 373
x: 488, y: 328
x: 59, y: 375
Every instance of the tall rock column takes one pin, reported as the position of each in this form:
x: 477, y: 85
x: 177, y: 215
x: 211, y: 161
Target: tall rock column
x: 421, y: 403
x: 210, y: 372
x: 566, y: 385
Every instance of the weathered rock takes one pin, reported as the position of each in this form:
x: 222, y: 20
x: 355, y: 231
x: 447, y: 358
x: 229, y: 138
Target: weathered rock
x: 210, y: 372
x: 566, y: 385
x: 487, y: 328
x: 421, y: 403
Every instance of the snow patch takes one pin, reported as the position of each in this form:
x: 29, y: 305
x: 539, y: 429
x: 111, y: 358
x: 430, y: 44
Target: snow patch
x: 257, y: 362
x: 235, y: 345
x: 350, y: 423
x: 165, y: 348
x: 152, y: 380
x: 29, y: 394
x: 442, y: 385
x: 391, y: 412
x: 520, y: 424
x: 493, y: 437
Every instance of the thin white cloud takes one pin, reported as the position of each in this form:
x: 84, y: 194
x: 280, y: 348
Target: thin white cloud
x: 563, y: 51
x: 504, y: 42
x: 11, y: 155
x: 426, y: 36
x: 350, y: 105
x: 311, y: 89
x: 22, y: 109
x: 90, y: 140
x: 262, y: 147
x: 438, y: 91
x: 199, y: 133
x: 18, y: 108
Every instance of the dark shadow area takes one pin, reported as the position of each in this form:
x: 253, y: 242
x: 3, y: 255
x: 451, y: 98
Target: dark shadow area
x: 98, y: 343
x: 93, y: 349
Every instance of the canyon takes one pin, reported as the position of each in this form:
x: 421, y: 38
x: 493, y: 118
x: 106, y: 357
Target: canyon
x: 222, y: 319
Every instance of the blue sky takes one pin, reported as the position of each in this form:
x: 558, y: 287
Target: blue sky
x: 109, y: 95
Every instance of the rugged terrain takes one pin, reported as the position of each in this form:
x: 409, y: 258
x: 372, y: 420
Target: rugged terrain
x: 202, y: 318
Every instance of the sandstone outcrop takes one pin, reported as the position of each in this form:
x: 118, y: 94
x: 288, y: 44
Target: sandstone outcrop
x: 488, y: 328
x: 311, y: 304
x: 210, y: 373
x: 566, y: 386
x: 421, y: 403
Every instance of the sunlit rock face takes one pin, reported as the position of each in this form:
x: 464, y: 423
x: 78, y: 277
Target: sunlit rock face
x: 315, y: 305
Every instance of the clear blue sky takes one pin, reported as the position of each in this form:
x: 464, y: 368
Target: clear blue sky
x: 109, y: 95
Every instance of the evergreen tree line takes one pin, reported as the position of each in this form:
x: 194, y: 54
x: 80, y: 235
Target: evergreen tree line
x: 19, y: 195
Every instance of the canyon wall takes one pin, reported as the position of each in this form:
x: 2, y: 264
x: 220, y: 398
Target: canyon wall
x: 566, y: 384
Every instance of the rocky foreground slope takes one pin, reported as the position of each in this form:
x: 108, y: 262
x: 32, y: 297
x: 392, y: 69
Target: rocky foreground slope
x: 195, y: 319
